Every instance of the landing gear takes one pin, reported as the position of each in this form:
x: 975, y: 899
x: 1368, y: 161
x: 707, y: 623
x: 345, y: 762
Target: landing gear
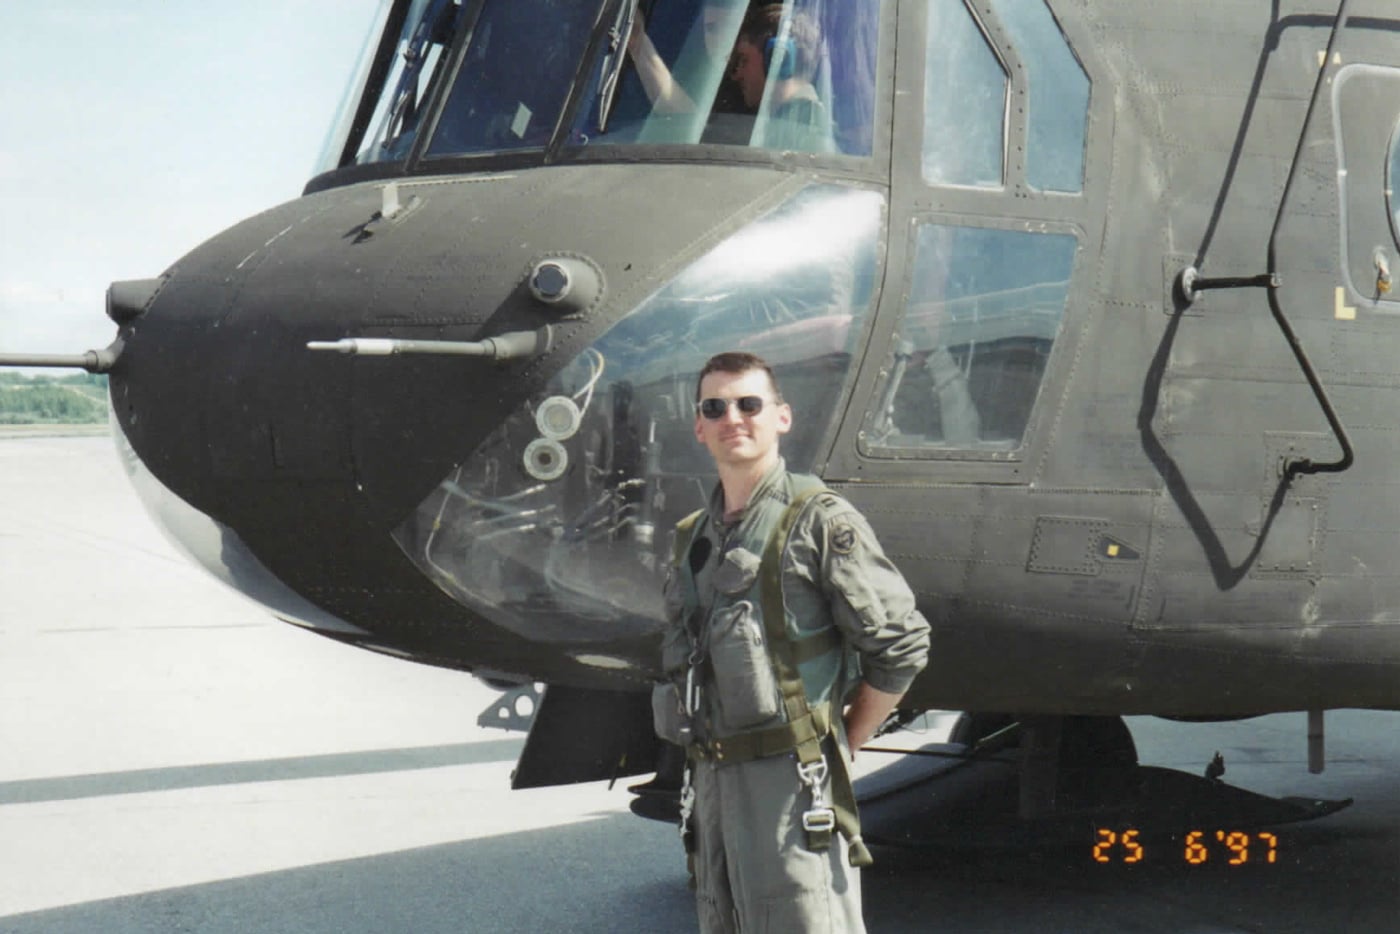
x: 1005, y: 781
x: 660, y: 798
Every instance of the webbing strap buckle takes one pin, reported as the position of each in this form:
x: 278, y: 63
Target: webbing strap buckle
x: 819, y: 820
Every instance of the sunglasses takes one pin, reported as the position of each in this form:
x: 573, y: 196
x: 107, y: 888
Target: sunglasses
x: 715, y: 409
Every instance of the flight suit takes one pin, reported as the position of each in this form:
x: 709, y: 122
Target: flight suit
x: 852, y: 617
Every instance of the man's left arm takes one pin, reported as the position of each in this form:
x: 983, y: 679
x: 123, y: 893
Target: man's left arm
x: 874, y: 608
x: 869, y: 708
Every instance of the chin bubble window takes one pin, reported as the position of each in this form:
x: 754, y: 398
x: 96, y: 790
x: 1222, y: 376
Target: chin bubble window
x: 556, y: 527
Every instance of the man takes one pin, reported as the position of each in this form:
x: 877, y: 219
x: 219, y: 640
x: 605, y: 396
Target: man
x: 783, y: 57
x: 783, y: 613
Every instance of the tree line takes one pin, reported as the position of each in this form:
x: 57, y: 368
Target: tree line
x: 77, y: 399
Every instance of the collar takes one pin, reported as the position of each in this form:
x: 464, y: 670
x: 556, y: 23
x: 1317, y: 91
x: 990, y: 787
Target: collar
x: 772, y: 484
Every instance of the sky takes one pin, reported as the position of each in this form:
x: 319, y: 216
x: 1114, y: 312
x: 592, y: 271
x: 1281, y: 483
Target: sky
x: 132, y: 131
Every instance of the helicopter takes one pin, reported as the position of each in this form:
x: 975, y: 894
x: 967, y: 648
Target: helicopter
x: 1086, y: 306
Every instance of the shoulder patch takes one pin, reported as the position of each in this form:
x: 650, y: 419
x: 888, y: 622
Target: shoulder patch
x: 843, y: 538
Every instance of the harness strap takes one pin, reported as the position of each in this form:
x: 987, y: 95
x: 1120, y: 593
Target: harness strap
x: 843, y: 802
x: 760, y: 744
x: 787, y: 655
x: 806, y: 728
x: 775, y: 625
x: 685, y: 532
x: 680, y: 545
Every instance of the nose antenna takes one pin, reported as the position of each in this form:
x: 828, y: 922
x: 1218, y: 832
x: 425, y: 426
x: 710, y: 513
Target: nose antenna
x: 94, y: 361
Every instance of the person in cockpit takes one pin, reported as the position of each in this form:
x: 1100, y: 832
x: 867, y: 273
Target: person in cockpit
x: 783, y: 56
x: 667, y: 94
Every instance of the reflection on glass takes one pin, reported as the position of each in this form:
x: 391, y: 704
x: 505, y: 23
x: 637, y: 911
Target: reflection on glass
x: 965, y: 88
x: 984, y: 309
x: 1059, y: 96
x: 549, y: 528
x: 798, y: 76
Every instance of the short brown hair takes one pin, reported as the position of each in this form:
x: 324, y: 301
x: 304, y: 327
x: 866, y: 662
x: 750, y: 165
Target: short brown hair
x: 737, y: 361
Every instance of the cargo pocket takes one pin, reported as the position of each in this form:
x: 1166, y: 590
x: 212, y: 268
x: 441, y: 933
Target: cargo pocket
x: 666, y: 712
x: 806, y: 910
x: 744, y: 681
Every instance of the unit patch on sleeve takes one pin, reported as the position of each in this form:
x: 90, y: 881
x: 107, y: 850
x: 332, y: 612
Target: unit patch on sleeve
x: 843, y: 539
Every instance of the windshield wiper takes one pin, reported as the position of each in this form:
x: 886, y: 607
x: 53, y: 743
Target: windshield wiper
x: 403, y: 112
x: 617, y: 57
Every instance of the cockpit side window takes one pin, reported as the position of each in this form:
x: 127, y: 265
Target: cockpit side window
x: 965, y: 92
x: 1059, y: 96
x: 797, y: 76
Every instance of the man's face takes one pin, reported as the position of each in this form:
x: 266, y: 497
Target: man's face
x: 747, y: 71
x: 736, y: 439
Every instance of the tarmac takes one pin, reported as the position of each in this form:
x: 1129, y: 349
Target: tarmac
x: 172, y: 759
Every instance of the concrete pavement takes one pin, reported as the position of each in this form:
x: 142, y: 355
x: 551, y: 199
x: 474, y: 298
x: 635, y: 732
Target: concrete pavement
x: 172, y: 759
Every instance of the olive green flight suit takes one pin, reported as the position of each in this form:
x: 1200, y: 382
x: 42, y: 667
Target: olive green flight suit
x: 754, y: 869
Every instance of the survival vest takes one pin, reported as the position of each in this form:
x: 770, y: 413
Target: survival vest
x: 764, y: 678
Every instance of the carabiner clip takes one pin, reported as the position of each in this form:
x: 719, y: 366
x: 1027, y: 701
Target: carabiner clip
x: 813, y: 774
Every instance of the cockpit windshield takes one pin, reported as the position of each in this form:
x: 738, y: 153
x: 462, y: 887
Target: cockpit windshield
x: 502, y: 76
x: 515, y: 78
x: 796, y: 76
x: 419, y: 61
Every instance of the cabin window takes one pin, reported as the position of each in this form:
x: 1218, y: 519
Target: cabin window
x: 1392, y: 179
x: 1365, y: 101
x: 1058, y: 110
x: 982, y: 313
x: 965, y: 87
x: 796, y: 76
